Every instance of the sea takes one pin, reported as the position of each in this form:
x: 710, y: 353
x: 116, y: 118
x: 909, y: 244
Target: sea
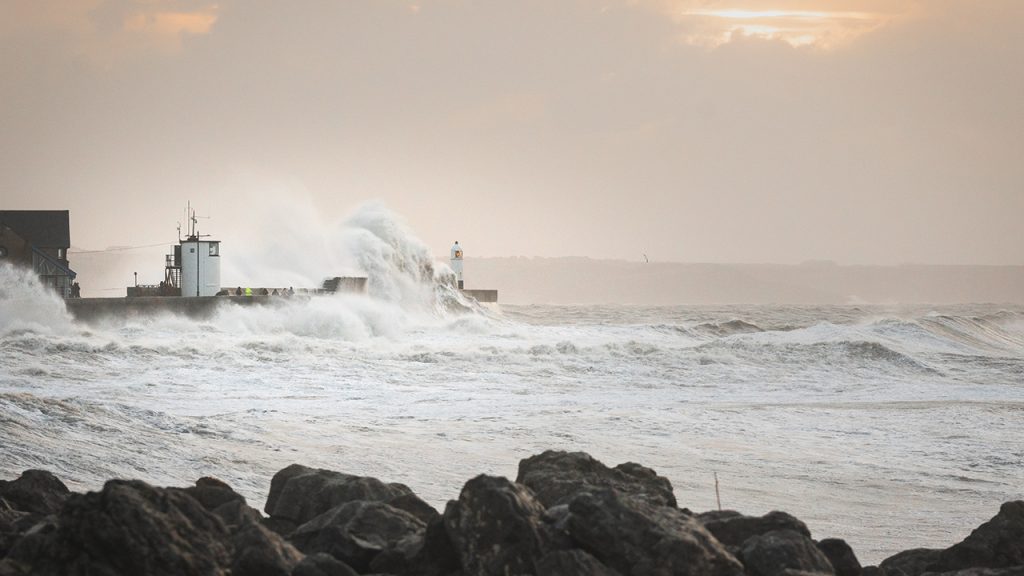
x: 892, y: 427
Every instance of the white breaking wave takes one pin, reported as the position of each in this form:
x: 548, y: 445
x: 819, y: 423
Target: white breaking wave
x: 27, y: 306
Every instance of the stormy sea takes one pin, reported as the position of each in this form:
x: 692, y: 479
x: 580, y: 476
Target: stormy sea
x: 889, y: 426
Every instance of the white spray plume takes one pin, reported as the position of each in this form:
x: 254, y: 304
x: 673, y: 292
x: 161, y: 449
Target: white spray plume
x: 27, y: 305
x: 294, y: 246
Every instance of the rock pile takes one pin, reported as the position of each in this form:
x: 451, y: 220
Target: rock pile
x: 566, y: 514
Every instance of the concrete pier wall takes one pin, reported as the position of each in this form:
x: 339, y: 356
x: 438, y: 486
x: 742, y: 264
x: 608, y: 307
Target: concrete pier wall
x: 481, y: 295
x: 94, y: 309
x: 98, y: 309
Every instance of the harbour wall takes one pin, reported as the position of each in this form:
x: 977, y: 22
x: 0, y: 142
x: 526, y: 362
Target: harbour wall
x: 92, y: 309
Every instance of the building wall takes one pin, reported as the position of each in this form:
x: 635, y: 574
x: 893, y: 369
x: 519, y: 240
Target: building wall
x: 200, y: 271
x: 17, y: 249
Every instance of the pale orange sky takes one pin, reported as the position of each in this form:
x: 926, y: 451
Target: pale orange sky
x: 863, y: 131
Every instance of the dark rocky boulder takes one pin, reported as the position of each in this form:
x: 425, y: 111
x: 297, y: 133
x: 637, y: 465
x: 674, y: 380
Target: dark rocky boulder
x: 321, y: 564
x: 127, y: 528
x: 733, y: 529
x: 36, y: 492
x: 213, y: 493
x: 10, y: 525
x: 780, y: 551
x: 841, y: 556
x: 1012, y: 571
x: 496, y: 527
x: 260, y: 552
x: 556, y: 477
x: 298, y: 494
x: 639, y: 538
x: 433, y: 555
x: 572, y: 563
x: 998, y: 543
x: 913, y: 562
x: 236, y: 513
x: 414, y: 505
x: 228, y: 505
x: 356, y: 532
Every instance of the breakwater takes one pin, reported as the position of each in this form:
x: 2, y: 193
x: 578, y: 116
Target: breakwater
x: 565, y: 514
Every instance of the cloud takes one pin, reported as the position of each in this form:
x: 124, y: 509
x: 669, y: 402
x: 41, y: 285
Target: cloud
x: 106, y: 32
x: 795, y: 22
x: 169, y: 27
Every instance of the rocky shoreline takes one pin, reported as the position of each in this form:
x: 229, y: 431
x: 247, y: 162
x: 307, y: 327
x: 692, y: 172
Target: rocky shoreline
x: 566, y: 514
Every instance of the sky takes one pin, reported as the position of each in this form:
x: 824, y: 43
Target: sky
x: 857, y: 131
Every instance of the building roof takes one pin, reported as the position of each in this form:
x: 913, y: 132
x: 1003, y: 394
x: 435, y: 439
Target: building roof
x: 42, y: 228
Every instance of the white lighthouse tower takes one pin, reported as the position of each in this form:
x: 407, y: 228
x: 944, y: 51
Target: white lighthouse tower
x: 200, y: 263
x: 457, y: 263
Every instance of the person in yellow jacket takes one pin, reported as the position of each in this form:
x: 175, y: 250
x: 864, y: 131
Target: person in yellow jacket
x: 248, y: 291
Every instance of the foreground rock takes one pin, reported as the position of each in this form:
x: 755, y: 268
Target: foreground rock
x: 35, y: 492
x: 496, y: 527
x: 298, y: 494
x: 781, y: 552
x: 129, y: 527
x: 733, y: 529
x: 996, y: 545
x: 572, y: 563
x: 357, y: 532
x: 556, y: 477
x: 635, y: 537
x: 580, y: 518
x: 841, y: 556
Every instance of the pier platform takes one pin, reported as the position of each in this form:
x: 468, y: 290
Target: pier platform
x: 485, y: 296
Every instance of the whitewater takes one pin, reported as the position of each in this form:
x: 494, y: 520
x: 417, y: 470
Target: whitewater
x: 889, y: 426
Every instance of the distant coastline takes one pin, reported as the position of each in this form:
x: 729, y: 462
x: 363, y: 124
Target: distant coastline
x: 574, y: 280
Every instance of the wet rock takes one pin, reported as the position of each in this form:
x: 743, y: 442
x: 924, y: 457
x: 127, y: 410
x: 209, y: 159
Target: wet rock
x: 841, y: 556
x: 414, y: 505
x: 357, y: 532
x: 774, y: 553
x: 913, y: 562
x: 638, y: 538
x: 433, y: 555
x: 228, y: 505
x: 260, y: 552
x: 129, y: 527
x: 733, y: 529
x: 298, y: 494
x: 213, y: 493
x: 496, y: 527
x: 36, y: 492
x: 556, y: 477
x: 1013, y: 571
x: 10, y: 520
x: 322, y: 565
x: 998, y: 543
x: 572, y: 563
x: 236, y: 513
x: 280, y: 526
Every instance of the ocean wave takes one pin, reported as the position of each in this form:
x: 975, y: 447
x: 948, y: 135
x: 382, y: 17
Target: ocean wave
x: 728, y: 328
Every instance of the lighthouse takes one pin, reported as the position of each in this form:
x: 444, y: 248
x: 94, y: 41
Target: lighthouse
x: 457, y: 263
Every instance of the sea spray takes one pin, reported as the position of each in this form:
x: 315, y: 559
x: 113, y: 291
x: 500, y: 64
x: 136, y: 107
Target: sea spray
x: 302, y: 249
x: 27, y: 305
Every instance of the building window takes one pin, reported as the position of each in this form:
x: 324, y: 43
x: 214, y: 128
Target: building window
x: 214, y: 249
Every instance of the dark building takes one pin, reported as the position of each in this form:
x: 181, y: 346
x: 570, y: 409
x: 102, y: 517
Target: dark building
x: 39, y: 239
